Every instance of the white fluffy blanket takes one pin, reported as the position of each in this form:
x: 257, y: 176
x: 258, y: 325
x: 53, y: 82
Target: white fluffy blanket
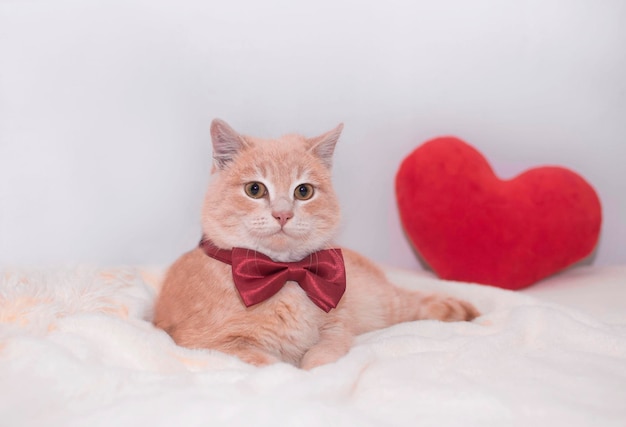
x: 77, y: 349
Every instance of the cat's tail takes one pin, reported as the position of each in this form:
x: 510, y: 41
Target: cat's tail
x: 408, y: 305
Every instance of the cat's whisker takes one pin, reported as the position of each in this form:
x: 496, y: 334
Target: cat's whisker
x: 256, y: 251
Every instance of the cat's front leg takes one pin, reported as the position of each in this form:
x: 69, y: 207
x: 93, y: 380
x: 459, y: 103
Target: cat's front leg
x: 334, y: 343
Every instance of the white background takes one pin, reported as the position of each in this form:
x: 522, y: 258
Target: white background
x: 105, y: 109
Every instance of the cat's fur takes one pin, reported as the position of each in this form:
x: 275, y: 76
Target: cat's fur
x: 199, y: 305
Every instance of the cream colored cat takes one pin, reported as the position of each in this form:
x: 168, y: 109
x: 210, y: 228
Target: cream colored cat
x: 275, y: 196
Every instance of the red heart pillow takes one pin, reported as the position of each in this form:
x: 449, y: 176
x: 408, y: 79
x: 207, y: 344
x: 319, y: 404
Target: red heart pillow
x: 470, y: 225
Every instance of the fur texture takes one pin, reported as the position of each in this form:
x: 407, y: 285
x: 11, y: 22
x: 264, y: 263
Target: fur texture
x: 199, y: 305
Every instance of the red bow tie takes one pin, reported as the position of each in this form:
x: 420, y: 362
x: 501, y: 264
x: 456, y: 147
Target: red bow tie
x: 321, y: 275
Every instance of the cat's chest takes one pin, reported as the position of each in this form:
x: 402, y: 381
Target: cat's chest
x: 291, y: 307
x: 288, y: 321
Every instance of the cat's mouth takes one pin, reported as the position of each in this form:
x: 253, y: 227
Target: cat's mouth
x: 280, y: 238
x: 282, y: 232
x: 271, y: 236
x: 283, y: 239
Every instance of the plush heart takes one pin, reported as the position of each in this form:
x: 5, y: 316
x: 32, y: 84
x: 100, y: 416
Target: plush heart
x: 470, y: 225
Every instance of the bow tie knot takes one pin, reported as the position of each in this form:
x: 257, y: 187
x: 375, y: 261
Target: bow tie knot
x: 257, y: 277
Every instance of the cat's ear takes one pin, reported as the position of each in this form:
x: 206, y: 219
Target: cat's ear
x: 324, y: 145
x: 226, y: 143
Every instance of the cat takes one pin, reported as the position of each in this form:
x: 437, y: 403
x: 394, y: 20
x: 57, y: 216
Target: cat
x: 275, y: 196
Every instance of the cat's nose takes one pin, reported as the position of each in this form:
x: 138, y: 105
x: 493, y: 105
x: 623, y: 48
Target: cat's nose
x: 282, y: 217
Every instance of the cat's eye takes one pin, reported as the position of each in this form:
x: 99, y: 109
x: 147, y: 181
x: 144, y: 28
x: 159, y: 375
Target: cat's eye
x: 304, y: 192
x: 256, y: 190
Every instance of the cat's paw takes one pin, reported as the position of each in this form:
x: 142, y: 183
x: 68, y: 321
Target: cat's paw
x: 317, y: 358
x: 256, y: 357
x: 332, y: 347
x: 450, y: 309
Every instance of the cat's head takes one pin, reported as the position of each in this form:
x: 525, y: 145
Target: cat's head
x: 271, y: 195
